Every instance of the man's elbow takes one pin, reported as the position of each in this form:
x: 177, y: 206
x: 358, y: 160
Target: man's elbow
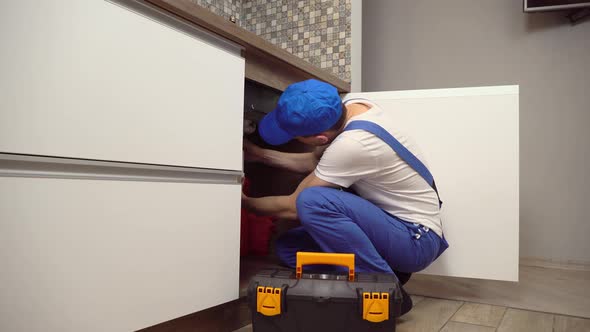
x: 310, y: 166
x: 304, y: 167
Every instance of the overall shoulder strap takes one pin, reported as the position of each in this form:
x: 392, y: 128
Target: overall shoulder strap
x: 401, y: 150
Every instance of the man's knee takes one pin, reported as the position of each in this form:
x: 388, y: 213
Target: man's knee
x: 313, y: 200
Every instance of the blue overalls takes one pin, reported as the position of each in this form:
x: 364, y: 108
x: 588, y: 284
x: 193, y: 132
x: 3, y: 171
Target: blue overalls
x: 337, y: 221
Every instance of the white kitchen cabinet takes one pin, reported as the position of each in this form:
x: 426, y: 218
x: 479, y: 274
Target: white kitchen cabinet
x: 109, y: 255
x: 95, y: 80
x: 469, y: 137
x: 120, y: 166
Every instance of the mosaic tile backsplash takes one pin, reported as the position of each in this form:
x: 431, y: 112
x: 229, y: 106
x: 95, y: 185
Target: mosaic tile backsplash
x: 317, y: 31
x: 225, y: 8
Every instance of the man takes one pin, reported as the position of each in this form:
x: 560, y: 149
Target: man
x: 393, y: 224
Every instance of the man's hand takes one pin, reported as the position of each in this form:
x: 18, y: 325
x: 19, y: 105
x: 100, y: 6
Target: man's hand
x: 245, y: 201
x: 252, y: 152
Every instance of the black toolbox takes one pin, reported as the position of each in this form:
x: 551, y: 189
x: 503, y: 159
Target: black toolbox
x: 290, y: 301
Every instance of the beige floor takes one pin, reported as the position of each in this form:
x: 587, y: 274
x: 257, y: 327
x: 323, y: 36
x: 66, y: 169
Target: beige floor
x: 565, y: 292
x: 431, y: 314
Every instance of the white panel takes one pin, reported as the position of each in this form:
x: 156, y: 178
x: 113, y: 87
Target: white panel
x: 90, y: 79
x: 91, y: 255
x: 470, y: 139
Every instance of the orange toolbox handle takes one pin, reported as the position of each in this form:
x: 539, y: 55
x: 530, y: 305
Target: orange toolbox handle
x: 307, y: 258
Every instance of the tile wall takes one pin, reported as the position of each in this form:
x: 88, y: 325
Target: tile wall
x: 317, y: 31
x: 225, y: 8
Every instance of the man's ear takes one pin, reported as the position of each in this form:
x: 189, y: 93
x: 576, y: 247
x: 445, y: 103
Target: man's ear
x: 322, y: 139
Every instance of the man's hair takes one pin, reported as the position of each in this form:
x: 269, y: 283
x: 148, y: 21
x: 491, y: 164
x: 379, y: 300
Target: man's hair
x: 340, y: 123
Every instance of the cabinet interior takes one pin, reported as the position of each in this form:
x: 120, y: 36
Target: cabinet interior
x: 266, y: 180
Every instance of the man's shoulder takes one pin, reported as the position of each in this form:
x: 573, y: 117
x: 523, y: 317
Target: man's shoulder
x: 350, y: 139
x: 347, y: 145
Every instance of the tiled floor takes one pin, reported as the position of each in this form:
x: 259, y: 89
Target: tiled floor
x: 565, y: 292
x: 430, y: 314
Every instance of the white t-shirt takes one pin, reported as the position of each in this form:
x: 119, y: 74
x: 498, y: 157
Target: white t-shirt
x: 363, y: 162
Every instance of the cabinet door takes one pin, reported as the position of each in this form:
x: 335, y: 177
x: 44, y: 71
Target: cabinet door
x: 102, y: 255
x: 95, y: 80
x: 470, y: 139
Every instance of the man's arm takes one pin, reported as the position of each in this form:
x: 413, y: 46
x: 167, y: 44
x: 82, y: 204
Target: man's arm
x: 283, y: 207
x: 295, y: 162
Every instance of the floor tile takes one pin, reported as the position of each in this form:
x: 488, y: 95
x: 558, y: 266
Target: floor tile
x: 479, y: 314
x: 571, y: 324
x: 416, y: 299
x: 247, y: 328
x: 428, y: 315
x: 526, y: 321
x: 463, y: 327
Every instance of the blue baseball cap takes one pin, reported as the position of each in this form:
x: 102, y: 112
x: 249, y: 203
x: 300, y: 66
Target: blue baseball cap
x: 305, y: 108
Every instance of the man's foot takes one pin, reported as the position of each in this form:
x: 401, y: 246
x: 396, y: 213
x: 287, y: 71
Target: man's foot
x: 407, y: 303
x: 403, y: 277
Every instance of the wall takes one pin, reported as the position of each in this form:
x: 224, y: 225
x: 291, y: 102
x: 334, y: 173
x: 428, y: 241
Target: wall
x: 433, y: 44
x: 318, y: 31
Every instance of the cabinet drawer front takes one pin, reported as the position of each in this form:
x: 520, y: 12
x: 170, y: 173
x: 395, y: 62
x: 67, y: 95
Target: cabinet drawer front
x: 100, y: 255
x: 95, y: 80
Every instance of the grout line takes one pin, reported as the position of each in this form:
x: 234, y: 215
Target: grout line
x: 453, y: 314
x: 451, y: 319
x: 502, y: 319
x: 469, y: 324
x: 416, y: 303
x: 540, y: 312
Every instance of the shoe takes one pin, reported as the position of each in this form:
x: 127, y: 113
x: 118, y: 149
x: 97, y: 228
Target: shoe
x: 407, y: 303
x: 403, y: 277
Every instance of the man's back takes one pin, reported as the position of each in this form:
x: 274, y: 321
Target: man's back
x: 363, y: 162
